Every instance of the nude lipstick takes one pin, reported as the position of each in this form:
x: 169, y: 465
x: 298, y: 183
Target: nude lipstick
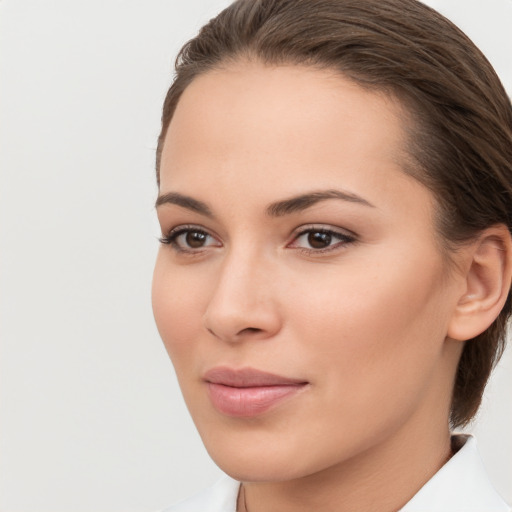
x: 248, y: 392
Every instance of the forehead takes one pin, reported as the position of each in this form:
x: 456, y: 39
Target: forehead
x: 282, y: 128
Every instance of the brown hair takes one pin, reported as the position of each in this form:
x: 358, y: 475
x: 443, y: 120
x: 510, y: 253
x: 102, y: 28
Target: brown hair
x: 461, y: 141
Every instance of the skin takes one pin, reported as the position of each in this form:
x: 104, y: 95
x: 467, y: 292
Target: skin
x: 365, y: 323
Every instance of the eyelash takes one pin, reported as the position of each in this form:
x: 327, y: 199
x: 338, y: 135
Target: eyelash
x: 344, y: 239
x: 172, y: 237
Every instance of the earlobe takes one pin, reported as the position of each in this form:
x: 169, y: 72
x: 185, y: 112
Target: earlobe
x: 487, y: 279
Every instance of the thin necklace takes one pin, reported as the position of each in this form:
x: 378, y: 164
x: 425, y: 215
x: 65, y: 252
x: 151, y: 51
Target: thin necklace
x: 242, y: 504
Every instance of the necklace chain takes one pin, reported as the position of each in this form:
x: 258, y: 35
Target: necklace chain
x: 242, y: 501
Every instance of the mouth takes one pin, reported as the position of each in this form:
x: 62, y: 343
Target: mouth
x: 248, y: 392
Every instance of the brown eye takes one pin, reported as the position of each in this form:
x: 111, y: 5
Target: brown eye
x: 319, y: 239
x: 190, y: 239
x: 195, y: 239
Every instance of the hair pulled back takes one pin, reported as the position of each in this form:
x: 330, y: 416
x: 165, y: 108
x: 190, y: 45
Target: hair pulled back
x: 460, y: 141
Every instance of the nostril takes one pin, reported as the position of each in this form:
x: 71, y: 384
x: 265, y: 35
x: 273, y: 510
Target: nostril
x: 249, y: 330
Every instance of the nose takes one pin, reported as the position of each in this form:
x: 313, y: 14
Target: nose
x: 243, y: 304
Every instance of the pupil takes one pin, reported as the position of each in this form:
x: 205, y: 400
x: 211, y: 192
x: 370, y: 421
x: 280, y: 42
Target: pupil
x: 195, y: 239
x: 319, y: 240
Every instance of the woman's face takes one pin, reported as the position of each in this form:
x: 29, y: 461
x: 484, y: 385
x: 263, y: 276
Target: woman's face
x: 300, y: 291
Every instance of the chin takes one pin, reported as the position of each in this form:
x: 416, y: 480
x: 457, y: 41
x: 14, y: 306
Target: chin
x: 258, y: 469
x: 251, y: 462
x: 260, y: 457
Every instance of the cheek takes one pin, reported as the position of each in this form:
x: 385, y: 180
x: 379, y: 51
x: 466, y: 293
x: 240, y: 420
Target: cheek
x: 368, y: 326
x: 371, y: 342
x: 177, y: 309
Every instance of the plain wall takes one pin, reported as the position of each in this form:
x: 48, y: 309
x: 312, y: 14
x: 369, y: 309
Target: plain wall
x: 91, y: 418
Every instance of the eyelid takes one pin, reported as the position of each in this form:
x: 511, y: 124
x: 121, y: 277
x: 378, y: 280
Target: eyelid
x: 172, y: 235
x: 323, y: 227
x: 344, y: 237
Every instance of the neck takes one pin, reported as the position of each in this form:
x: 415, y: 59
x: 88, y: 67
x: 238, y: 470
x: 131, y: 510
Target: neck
x: 384, y: 477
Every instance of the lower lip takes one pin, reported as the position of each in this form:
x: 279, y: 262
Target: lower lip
x: 247, y: 402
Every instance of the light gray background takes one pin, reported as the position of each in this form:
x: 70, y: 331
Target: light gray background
x: 91, y: 418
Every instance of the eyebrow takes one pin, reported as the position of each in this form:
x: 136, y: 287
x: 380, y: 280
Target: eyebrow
x: 185, y: 202
x: 277, y: 209
x: 304, y: 201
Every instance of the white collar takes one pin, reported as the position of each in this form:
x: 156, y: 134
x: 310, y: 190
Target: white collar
x: 461, y: 485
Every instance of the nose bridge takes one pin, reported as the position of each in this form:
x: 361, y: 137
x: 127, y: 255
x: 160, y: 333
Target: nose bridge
x: 242, y: 302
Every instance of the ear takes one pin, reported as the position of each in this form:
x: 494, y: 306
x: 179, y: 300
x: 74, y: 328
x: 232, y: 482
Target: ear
x: 488, y: 276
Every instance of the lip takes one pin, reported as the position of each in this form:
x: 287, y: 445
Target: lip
x: 248, y: 392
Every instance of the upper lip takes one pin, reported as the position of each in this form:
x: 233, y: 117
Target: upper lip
x: 247, y: 377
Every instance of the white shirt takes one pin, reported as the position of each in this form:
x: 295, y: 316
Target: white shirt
x: 461, y: 485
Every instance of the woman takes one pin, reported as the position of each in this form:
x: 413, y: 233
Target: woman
x: 335, y: 199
